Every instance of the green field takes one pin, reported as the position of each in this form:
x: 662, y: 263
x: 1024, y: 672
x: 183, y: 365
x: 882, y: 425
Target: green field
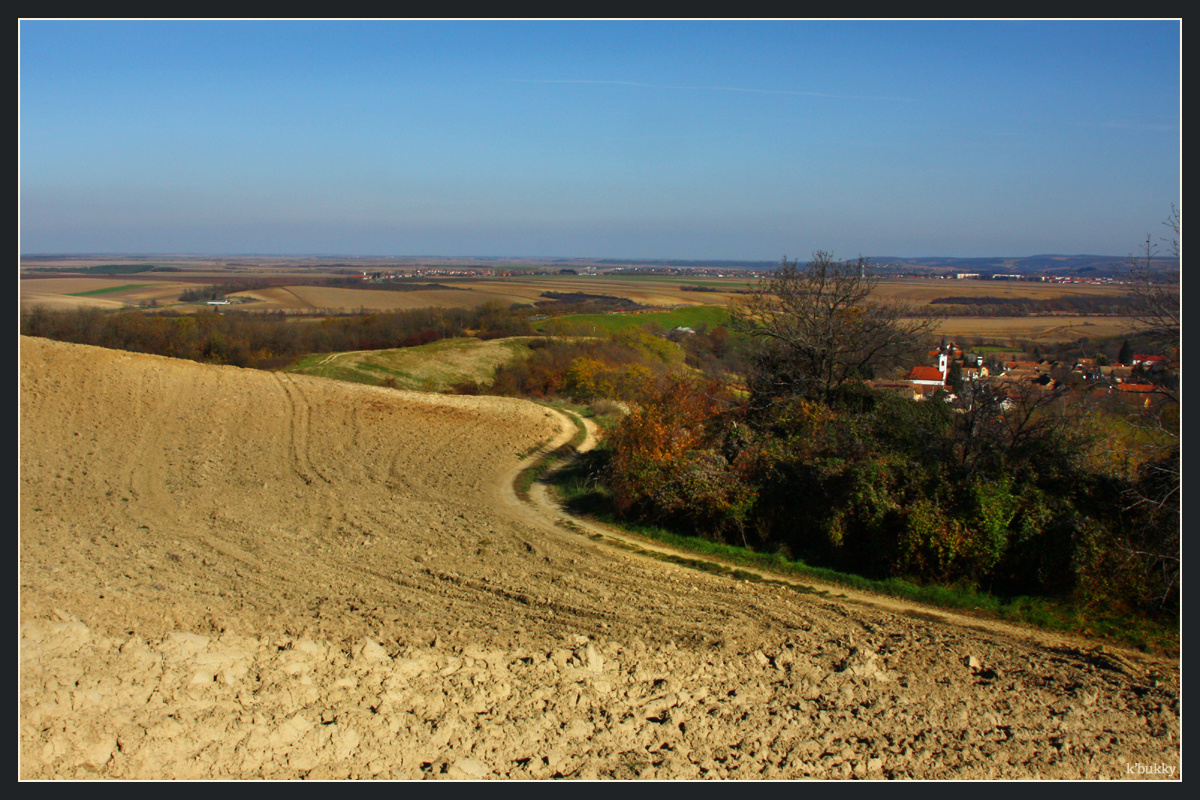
x: 128, y: 287
x: 599, y: 324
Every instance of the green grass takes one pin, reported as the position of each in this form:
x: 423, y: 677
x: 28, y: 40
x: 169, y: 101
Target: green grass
x: 126, y: 288
x: 526, y: 478
x: 611, y: 323
x: 584, y: 497
x: 434, y: 367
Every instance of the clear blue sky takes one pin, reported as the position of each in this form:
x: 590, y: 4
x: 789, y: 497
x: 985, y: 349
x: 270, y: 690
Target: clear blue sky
x: 691, y: 140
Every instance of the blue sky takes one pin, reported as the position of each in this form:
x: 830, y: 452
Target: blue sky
x: 690, y: 140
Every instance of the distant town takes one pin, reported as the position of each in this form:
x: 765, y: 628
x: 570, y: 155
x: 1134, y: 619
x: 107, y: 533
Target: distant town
x: 1078, y: 269
x: 710, y: 272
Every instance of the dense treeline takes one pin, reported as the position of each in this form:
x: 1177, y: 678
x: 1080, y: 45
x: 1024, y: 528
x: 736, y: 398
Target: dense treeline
x: 559, y: 303
x: 1014, y: 500
x: 265, y: 340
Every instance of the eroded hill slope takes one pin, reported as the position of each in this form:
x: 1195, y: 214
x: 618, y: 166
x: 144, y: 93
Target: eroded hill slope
x: 229, y: 573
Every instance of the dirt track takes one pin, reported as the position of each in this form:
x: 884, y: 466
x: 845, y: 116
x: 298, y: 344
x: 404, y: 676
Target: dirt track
x: 229, y: 573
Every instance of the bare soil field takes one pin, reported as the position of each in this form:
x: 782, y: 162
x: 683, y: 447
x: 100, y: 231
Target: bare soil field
x: 236, y: 574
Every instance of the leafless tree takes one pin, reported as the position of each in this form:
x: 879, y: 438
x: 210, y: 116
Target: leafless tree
x: 1156, y: 489
x: 1157, y: 291
x: 822, y: 327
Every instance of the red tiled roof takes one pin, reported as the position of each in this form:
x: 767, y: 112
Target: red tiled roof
x: 1136, y: 387
x: 925, y: 374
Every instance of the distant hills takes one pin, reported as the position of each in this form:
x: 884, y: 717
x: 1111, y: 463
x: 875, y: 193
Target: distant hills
x: 1081, y: 266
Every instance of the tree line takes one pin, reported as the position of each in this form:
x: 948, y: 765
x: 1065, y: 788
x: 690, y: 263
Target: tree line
x: 265, y: 340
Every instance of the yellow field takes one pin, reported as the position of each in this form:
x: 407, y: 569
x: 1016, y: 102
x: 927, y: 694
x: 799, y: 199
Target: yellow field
x: 312, y: 298
x: 1039, y: 329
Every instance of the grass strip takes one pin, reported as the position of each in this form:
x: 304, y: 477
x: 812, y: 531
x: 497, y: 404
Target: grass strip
x: 612, y: 322
x: 526, y: 477
x: 586, y: 500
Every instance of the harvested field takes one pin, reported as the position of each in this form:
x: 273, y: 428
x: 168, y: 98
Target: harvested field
x: 64, y: 293
x: 1038, y: 329
x: 117, y: 292
x: 236, y: 574
x: 302, y: 298
x: 921, y: 291
x: 62, y: 302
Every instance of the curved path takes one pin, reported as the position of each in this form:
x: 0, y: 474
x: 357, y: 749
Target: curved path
x: 1131, y: 661
x: 229, y: 573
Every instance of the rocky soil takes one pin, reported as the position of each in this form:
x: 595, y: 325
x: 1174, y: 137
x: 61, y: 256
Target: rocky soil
x: 236, y: 574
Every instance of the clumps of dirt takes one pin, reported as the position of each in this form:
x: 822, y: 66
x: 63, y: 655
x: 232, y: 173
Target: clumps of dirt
x: 233, y: 574
x: 233, y: 706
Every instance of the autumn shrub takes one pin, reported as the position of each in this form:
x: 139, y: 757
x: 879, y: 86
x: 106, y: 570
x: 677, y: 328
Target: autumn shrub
x: 891, y: 488
x: 652, y: 445
x: 627, y: 366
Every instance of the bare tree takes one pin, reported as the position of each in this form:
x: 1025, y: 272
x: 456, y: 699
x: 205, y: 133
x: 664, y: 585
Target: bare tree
x: 821, y: 327
x: 1155, y: 491
x: 1157, y: 291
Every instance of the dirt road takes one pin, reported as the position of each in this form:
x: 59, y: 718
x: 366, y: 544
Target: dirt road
x: 238, y: 574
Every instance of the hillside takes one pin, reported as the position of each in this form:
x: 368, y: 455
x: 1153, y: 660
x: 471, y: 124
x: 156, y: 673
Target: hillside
x: 239, y: 574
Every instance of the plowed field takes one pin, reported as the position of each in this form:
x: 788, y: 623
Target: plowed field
x: 238, y: 574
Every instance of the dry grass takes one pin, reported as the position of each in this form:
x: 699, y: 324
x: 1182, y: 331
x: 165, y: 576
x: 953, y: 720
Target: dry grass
x: 434, y: 367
